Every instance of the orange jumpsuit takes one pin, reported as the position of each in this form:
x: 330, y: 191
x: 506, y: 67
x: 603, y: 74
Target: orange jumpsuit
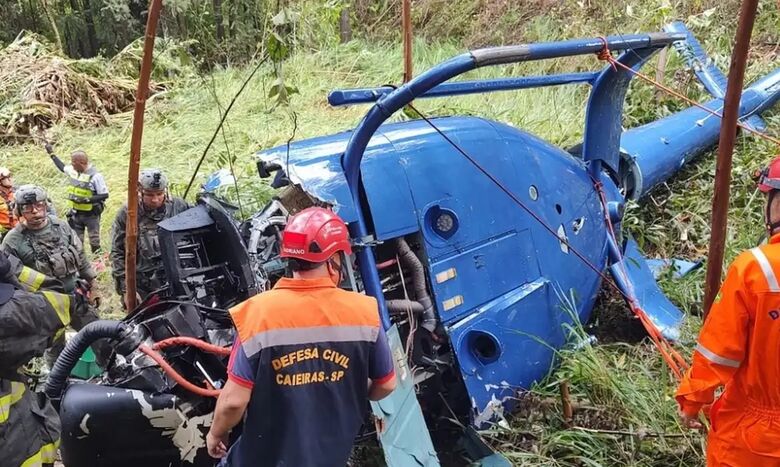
x: 7, y: 218
x: 738, y: 348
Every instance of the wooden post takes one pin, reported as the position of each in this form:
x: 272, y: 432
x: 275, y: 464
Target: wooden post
x: 728, y: 135
x: 406, y: 14
x: 131, y: 234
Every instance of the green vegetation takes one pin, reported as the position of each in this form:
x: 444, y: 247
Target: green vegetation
x: 622, y: 392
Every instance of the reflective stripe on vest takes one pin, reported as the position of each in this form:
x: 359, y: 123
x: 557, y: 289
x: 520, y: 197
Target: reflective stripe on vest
x: 61, y: 304
x: 308, y: 335
x: 80, y: 188
x: 45, y: 455
x: 8, y: 400
x: 30, y: 279
x: 715, y: 358
x: 766, y: 268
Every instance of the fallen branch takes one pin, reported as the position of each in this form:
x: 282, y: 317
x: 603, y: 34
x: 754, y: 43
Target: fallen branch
x: 568, y: 412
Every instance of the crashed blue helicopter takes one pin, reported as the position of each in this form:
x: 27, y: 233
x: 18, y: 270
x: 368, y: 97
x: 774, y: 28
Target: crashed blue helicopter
x: 480, y: 241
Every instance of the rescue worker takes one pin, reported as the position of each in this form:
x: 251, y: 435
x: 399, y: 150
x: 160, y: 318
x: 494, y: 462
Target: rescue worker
x: 48, y: 245
x: 87, y: 194
x: 154, y: 205
x: 307, y: 357
x: 45, y: 243
x: 29, y: 425
x: 7, y: 218
x: 736, y: 350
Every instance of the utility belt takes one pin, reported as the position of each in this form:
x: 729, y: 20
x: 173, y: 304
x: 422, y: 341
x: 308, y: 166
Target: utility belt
x: 97, y: 209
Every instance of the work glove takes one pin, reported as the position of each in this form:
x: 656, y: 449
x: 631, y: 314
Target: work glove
x: 81, y: 313
x: 84, y: 313
x: 88, y: 290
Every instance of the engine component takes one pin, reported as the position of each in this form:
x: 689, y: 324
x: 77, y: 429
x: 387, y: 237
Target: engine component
x: 205, y: 256
x: 89, y: 334
x: 105, y: 426
x: 411, y: 261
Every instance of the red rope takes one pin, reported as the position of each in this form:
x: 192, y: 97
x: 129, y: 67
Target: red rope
x: 605, y: 55
x: 673, y: 359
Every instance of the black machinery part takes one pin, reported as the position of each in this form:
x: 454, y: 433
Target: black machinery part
x: 75, y: 348
x: 91, y: 415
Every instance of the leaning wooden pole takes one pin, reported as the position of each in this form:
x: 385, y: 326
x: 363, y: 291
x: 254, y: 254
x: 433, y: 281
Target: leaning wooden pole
x: 728, y: 135
x: 406, y: 20
x: 131, y: 234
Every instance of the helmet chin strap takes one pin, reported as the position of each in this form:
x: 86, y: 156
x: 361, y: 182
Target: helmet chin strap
x: 771, y: 226
x: 338, y: 267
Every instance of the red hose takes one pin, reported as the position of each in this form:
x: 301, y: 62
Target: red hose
x: 386, y: 264
x: 191, y: 341
x: 166, y: 367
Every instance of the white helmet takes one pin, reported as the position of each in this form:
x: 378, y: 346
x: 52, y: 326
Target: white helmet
x: 5, y: 172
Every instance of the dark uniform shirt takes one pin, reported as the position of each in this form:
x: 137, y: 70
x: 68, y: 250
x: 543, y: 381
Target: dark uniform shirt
x: 54, y: 250
x: 149, y: 266
x: 307, y: 350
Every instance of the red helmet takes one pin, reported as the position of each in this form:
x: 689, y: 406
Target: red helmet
x: 314, y: 235
x: 769, y: 178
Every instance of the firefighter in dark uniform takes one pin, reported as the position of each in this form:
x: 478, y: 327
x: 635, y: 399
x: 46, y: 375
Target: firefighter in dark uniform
x: 87, y: 194
x: 154, y: 205
x: 47, y: 245
x: 307, y: 358
x: 29, y: 425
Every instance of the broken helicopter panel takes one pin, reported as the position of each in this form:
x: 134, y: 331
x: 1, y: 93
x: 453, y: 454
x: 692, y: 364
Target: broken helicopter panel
x: 479, y: 240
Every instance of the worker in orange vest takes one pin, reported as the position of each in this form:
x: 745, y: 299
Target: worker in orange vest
x: 7, y: 218
x: 737, y: 349
x: 307, y: 358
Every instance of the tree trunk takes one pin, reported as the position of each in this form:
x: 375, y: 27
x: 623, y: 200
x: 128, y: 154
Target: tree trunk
x: 33, y: 16
x: 91, y: 34
x: 220, y: 31
x: 53, y: 25
x: 74, y: 42
x: 344, y: 26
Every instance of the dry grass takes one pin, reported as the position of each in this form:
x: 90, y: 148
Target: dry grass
x: 39, y: 89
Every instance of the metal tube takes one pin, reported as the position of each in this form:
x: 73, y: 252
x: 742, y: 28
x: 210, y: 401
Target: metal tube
x: 131, y: 234
x: 423, y: 83
x: 728, y: 134
x: 460, y: 88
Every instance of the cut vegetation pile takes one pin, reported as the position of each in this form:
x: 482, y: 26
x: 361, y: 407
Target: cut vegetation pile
x: 38, y: 89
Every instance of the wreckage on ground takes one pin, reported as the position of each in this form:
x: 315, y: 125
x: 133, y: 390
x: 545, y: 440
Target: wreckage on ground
x: 480, y: 241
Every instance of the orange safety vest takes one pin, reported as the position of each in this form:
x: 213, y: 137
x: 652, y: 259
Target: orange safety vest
x: 7, y: 219
x: 310, y: 345
x: 737, y: 348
